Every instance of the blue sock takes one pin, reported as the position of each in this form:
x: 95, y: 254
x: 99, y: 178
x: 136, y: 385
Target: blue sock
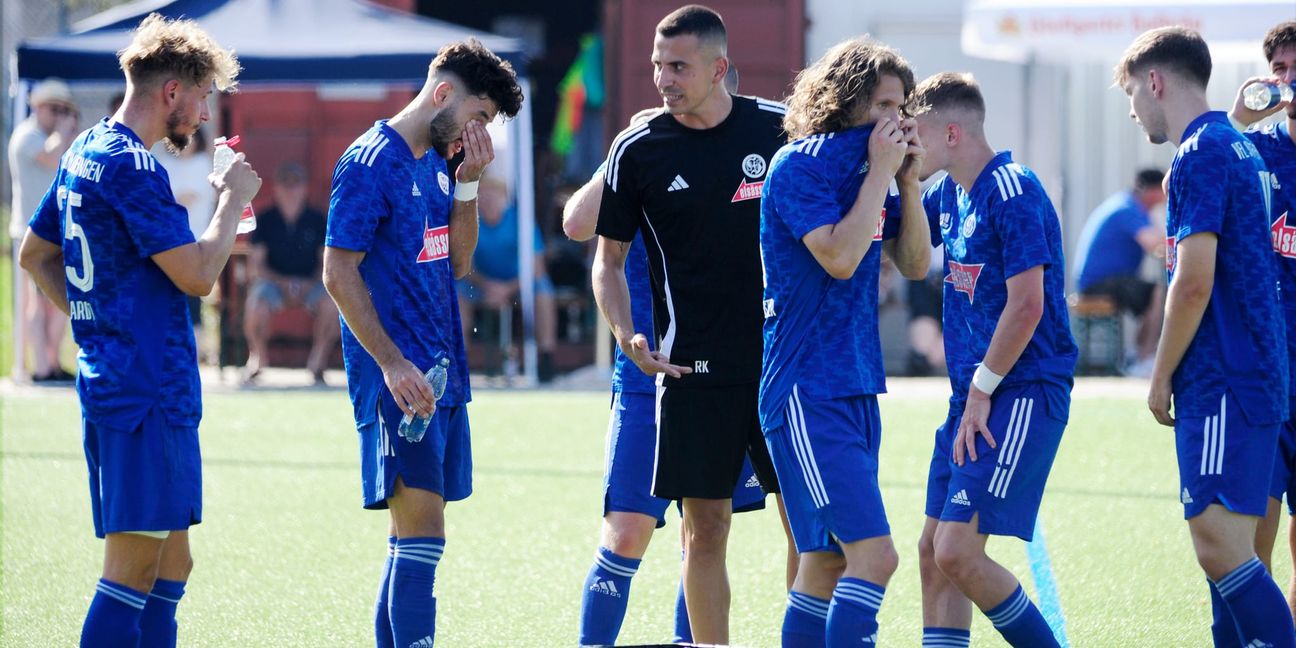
x: 1020, y: 622
x: 158, y: 624
x: 805, y: 621
x: 383, y: 637
x: 607, y: 592
x: 114, y: 617
x: 1258, y: 606
x: 946, y: 638
x: 1224, y: 630
x: 852, y: 615
x: 683, y: 631
x: 410, y: 603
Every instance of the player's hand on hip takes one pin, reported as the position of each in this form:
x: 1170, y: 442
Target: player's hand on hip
x: 409, y: 389
x: 1159, y: 400
x: 975, y: 421
x: 652, y: 362
x: 478, y: 152
x: 886, y: 148
x: 1248, y: 116
x: 240, y: 180
x: 911, y: 167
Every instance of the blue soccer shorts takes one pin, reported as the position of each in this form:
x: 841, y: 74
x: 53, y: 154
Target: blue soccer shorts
x: 1218, y: 457
x: 1284, y: 473
x: 440, y: 462
x: 628, y: 470
x: 826, y: 456
x: 145, y: 479
x: 1005, y: 485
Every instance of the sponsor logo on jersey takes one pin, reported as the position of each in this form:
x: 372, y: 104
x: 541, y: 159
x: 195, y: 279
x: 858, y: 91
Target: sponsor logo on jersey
x: 753, y: 166
x: 748, y: 191
x: 1171, y: 257
x: 436, y: 244
x: 1284, y: 237
x: 444, y: 181
x: 964, y: 277
x: 877, y: 236
x: 969, y: 225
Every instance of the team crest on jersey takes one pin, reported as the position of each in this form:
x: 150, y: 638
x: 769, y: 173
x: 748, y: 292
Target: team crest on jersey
x: 436, y: 244
x: 444, y: 181
x: 969, y: 225
x: 1171, y: 257
x: 753, y: 166
x: 945, y: 221
x: 748, y: 191
x: 964, y: 276
x: 1284, y: 237
x: 877, y: 236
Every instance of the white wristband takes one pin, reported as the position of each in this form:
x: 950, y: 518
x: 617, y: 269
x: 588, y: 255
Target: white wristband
x: 986, y: 380
x: 466, y: 191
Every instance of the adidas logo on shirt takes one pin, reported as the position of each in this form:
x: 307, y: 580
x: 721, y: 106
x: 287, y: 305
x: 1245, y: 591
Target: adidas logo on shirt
x: 678, y: 184
x: 416, y: 191
x: 961, y: 498
x: 752, y: 482
x: 606, y: 587
x: 1185, y: 497
x: 425, y: 642
x: 1256, y: 643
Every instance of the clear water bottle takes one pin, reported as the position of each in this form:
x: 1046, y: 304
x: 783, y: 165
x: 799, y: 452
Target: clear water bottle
x: 222, y: 158
x: 1263, y: 96
x: 412, y: 428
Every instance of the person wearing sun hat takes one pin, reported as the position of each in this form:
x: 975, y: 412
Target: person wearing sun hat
x: 34, y: 151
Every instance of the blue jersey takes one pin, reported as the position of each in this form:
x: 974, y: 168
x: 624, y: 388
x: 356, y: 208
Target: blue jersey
x: 1004, y: 226
x: 111, y: 208
x: 1219, y: 184
x: 626, y: 376
x: 1108, y: 247
x: 820, y: 333
x: 396, y: 209
x: 1279, y: 154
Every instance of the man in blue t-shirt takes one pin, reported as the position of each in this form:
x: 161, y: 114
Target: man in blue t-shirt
x: 1221, y: 353
x: 110, y: 246
x: 1115, y: 238
x: 843, y: 190
x: 1011, y: 358
x: 399, y: 233
x: 1277, y: 146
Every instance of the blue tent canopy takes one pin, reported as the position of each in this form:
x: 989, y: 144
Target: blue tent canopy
x: 276, y: 41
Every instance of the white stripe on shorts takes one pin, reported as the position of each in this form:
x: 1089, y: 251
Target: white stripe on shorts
x: 801, y: 447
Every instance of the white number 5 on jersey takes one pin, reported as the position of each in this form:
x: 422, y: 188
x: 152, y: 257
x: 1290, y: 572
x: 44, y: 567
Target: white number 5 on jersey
x: 84, y: 279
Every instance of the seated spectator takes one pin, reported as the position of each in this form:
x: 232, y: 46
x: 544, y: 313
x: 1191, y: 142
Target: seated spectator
x: 188, y: 170
x: 493, y: 282
x: 1113, y: 243
x: 284, y: 270
x: 926, y: 335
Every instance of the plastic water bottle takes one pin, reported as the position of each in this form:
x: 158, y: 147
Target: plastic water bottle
x: 222, y: 158
x: 1263, y: 96
x: 412, y: 428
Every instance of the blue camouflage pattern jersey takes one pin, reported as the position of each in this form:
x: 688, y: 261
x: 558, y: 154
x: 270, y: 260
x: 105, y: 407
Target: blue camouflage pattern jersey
x: 1219, y: 184
x: 396, y: 210
x: 1279, y: 154
x: 1004, y: 226
x: 111, y: 209
x: 821, y: 333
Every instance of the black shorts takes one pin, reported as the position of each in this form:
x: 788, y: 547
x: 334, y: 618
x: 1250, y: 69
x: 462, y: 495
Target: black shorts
x: 703, y: 435
x: 1130, y: 293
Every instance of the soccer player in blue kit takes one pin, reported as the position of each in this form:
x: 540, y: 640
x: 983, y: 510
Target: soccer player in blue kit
x: 399, y: 233
x: 1277, y: 146
x: 1011, y: 359
x: 1220, y: 355
x: 110, y: 246
x: 826, y: 217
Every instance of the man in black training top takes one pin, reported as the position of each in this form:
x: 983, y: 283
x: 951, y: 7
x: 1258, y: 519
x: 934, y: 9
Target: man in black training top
x: 690, y: 180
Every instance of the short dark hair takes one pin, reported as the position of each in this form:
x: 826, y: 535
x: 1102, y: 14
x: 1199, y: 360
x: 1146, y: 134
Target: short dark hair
x: 482, y: 73
x: 951, y: 90
x: 1148, y: 179
x: 696, y: 20
x: 1177, y: 48
x: 1282, y: 35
